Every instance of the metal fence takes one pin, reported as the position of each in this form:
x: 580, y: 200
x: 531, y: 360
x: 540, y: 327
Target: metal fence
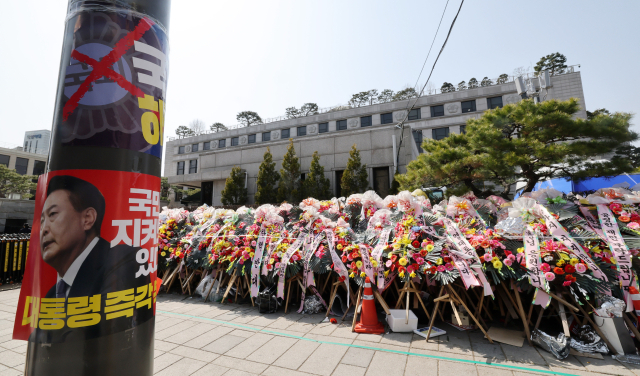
x: 13, y: 257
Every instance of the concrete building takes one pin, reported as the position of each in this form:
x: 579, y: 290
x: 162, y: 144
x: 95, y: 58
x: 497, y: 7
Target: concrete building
x: 206, y: 160
x: 37, y: 142
x: 24, y: 163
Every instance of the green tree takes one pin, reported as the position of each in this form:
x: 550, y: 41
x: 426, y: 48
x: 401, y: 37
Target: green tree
x: 526, y: 143
x: 292, y: 113
x: 502, y: 79
x: 267, y: 179
x: 309, y: 109
x: 385, y: 96
x: 473, y: 83
x: 600, y: 111
x: 234, y: 192
x: 462, y: 86
x: 218, y: 127
x: 164, y: 189
x: 248, y: 118
x: 486, y: 82
x: 447, y: 88
x: 554, y: 63
x: 407, y: 93
x: 289, y: 187
x: 316, y: 185
x: 183, y: 131
x: 354, y: 178
x: 630, y: 153
x: 12, y: 182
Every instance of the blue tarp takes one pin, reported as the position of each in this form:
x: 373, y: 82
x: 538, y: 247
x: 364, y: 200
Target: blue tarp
x: 592, y: 184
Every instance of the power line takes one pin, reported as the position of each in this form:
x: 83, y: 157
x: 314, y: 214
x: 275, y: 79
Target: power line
x: 415, y: 86
x: 406, y: 115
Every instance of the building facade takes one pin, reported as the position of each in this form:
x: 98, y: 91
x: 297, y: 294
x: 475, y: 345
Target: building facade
x: 37, y: 142
x: 206, y: 160
x: 24, y: 163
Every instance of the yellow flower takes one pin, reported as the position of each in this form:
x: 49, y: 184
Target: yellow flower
x: 613, y: 261
x: 359, y: 264
x: 429, y: 247
x: 520, y: 250
x: 597, y: 250
x: 470, y: 231
x: 163, y: 254
x: 351, y: 275
x: 339, y: 246
x: 386, y: 273
x: 497, y: 264
x: 374, y: 263
x: 495, y: 259
x: 560, y: 263
x: 251, y: 254
x: 396, y: 246
x: 178, y: 253
x: 401, y: 274
x: 403, y: 261
x: 412, y: 275
x: 574, y: 261
x: 271, y: 261
x: 363, y: 274
x: 439, y: 261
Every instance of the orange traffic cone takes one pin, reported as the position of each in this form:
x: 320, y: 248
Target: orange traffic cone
x: 635, y: 297
x: 369, y: 318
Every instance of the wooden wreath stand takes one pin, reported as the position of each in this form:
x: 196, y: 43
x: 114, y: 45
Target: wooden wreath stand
x: 243, y: 288
x: 410, y: 287
x: 288, y: 283
x: 453, y: 298
x: 334, y: 291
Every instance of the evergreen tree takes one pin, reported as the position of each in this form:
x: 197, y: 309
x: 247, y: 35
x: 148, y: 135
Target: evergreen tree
x: 486, y: 82
x: 502, y: 79
x: 316, y: 185
x: 473, y: 83
x: 447, y: 88
x: 354, y: 178
x: 234, y: 192
x: 522, y: 142
x: 554, y: 63
x: 462, y: 86
x: 267, y: 179
x: 289, y: 187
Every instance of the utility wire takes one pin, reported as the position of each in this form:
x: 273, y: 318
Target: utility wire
x: 406, y: 115
x: 415, y: 86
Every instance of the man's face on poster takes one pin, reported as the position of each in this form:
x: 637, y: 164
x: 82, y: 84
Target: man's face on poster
x: 63, y: 229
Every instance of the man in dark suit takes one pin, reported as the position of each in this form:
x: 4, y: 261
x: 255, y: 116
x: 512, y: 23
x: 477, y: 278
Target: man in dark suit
x: 86, y: 266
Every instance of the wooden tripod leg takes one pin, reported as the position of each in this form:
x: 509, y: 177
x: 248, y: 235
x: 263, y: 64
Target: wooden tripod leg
x: 288, y: 297
x: 421, y: 302
x: 530, y: 312
x: 522, y: 315
x: 593, y: 324
x: 249, y: 289
x: 565, y: 323
x: 334, y: 290
x: 630, y: 325
x: 401, y: 294
x: 222, y: 276
x: 231, y: 282
x: 356, y: 307
x: 539, y: 318
x: 382, y: 302
x: 453, y: 293
x: 355, y: 312
x: 433, y: 315
x: 213, y: 282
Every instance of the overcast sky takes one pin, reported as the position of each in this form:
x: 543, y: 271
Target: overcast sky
x: 265, y: 56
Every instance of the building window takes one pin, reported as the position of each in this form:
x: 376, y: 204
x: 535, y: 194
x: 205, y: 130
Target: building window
x: 4, y: 159
x: 38, y: 167
x: 266, y: 136
x: 222, y: 143
x: 206, y: 145
x: 286, y: 133
x: 469, y: 106
x: 180, y: 149
x: 440, y: 133
x: 365, y: 121
x: 341, y: 125
x: 414, y: 114
x: 193, y: 166
x: 21, y: 165
x: 235, y: 141
x: 386, y: 118
x: 194, y: 148
x: 495, y: 102
x: 381, y: 181
x: 437, y: 111
x: 302, y: 131
x: 252, y: 139
x: 463, y: 129
x: 323, y: 127
x: 417, y: 137
x: 338, y: 182
x: 180, y: 168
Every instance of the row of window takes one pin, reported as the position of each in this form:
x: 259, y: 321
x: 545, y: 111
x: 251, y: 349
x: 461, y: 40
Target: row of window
x: 436, y: 134
x: 23, y: 163
x: 193, y: 167
x: 365, y: 121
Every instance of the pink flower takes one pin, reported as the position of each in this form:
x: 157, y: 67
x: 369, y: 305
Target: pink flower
x: 253, y: 243
x: 277, y: 265
x: 508, y: 261
x: 566, y: 283
x: 389, y: 263
x: 511, y: 257
x: 580, y: 268
x: 441, y: 268
x: 549, y: 276
x: 545, y: 267
x: 488, y: 257
x: 448, y: 267
x: 633, y: 225
x: 319, y: 254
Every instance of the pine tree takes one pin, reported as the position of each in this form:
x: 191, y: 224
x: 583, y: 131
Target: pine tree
x: 354, y: 178
x: 289, y: 186
x: 267, y: 179
x: 316, y: 185
x: 234, y: 192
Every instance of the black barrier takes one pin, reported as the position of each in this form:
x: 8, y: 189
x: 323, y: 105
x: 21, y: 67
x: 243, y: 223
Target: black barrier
x: 13, y: 257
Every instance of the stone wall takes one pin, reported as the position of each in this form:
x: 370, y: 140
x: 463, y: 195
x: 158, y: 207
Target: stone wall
x: 16, y: 209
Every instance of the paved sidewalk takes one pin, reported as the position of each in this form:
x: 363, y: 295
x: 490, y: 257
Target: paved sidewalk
x: 195, y: 338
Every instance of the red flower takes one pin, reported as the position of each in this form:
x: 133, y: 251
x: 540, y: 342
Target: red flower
x: 344, y: 258
x: 394, y: 258
x: 447, y: 259
x: 423, y: 252
x: 433, y: 269
x: 569, y: 268
x: 558, y: 271
x: 570, y: 278
x: 415, y: 244
x: 507, y: 253
x: 341, y: 279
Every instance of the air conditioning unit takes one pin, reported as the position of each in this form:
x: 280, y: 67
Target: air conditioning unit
x: 521, y: 88
x: 545, y: 79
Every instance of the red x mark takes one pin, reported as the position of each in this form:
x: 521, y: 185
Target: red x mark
x: 103, y: 67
